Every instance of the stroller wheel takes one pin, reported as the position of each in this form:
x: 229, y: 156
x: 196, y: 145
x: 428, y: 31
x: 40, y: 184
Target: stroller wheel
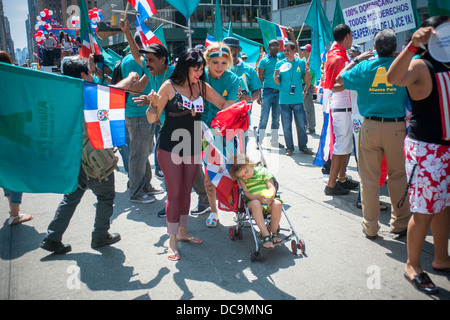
x: 294, y: 247
x: 301, y: 246
x: 256, y: 255
x: 235, y: 233
x: 232, y: 233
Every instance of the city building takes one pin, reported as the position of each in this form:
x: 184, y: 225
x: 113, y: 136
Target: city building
x: 6, y: 42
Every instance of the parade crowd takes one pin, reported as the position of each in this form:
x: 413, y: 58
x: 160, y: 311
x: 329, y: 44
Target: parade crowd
x: 366, y: 93
x: 54, y: 48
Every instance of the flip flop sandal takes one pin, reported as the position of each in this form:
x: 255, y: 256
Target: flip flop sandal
x: 21, y: 218
x: 192, y: 239
x: 173, y: 255
x: 421, y: 282
x: 212, y: 220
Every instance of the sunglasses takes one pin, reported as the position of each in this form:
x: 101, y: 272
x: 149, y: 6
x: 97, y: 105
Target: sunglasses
x: 195, y: 54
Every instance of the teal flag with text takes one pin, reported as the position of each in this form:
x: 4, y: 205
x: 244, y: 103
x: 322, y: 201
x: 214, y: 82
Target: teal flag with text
x: 41, y: 130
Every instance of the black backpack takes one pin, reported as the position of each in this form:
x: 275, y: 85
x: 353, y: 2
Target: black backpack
x: 117, y: 73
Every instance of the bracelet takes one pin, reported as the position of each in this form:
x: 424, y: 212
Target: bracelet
x: 411, y: 48
x: 151, y: 110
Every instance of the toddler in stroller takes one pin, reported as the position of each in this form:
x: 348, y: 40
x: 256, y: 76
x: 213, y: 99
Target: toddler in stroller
x: 259, y: 188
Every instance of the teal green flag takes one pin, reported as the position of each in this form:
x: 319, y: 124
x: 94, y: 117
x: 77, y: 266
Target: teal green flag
x: 251, y: 48
x: 41, y: 131
x: 321, y: 34
x: 159, y: 33
x: 416, y: 16
x: 186, y: 7
x: 218, y: 27
x: 85, y: 22
x: 268, y: 31
x: 338, y: 17
x: 438, y: 8
x: 116, y: 57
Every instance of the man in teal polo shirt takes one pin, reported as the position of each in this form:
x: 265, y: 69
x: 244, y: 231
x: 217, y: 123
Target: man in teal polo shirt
x: 289, y: 74
x: 382, y: 133
x: 270, y: 94
x: 141, y: 132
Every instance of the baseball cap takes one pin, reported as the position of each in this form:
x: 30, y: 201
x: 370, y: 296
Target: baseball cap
x: 157, y: 49
x: 273, y: 41
x: 306, y: 47
x: 232, y: 42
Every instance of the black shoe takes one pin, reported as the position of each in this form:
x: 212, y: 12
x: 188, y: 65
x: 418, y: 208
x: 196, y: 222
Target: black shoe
x: 368, y: 236
x: 277, y: 145
x: 161, y: 213
x: 336, y: 191
x: 400, y: 234
x: 200, y: 210
x: 347, y: 184
x: 57, y: 247
x: 106, y: 240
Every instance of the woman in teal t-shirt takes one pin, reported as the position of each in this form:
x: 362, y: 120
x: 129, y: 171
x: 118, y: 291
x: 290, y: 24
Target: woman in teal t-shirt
x: 226, y: 83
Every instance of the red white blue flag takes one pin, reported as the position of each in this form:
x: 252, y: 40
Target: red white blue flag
x: 217, y: 165
x: 209, y: 39
x: 147, y: 36
x: 146, y: 8
x: 86, y: 47
x: 104, y: 115
x: 443, y: 84
x: 281, y: 37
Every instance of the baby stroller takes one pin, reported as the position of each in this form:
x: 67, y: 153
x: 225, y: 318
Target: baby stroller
x: 236, y: 202
x: 230, y: 195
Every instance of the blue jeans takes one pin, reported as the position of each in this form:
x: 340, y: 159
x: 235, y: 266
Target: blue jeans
x: 296, y: 110
x: 141, y: 143
x: 125, y: 151
x: 270, y: 100
x: 15, y: 197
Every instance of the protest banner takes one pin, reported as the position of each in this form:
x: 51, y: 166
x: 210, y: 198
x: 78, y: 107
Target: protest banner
x: 367, y: 18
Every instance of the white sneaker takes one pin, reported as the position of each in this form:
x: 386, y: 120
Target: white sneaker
x: 144, y: 199
x: 212, y: 220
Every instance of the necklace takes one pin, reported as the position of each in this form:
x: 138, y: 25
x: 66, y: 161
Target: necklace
x: 164, y: 77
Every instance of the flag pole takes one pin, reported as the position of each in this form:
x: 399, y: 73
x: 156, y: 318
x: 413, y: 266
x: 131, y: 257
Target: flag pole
x: 126, y: 8
x: 298, y: 37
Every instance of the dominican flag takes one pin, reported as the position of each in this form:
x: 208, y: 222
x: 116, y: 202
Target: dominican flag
x: 281, y: 37
x: 146, y: 8
x: 86, y: 48
x: 443, y: 83
x: 217, y: 165
x: 147, y: 36
x: 104, y: 114
x: 209, y: 40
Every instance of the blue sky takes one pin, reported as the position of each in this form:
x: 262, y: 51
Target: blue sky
x: 17, y: 13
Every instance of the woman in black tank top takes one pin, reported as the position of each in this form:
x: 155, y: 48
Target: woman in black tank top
x: 179, y: 141
x: 427, y: 151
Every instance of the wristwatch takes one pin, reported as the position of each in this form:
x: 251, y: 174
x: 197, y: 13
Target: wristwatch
x: 355, y: 60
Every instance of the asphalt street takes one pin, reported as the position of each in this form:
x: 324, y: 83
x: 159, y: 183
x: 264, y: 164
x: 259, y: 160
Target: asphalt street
x: 339, y: 262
